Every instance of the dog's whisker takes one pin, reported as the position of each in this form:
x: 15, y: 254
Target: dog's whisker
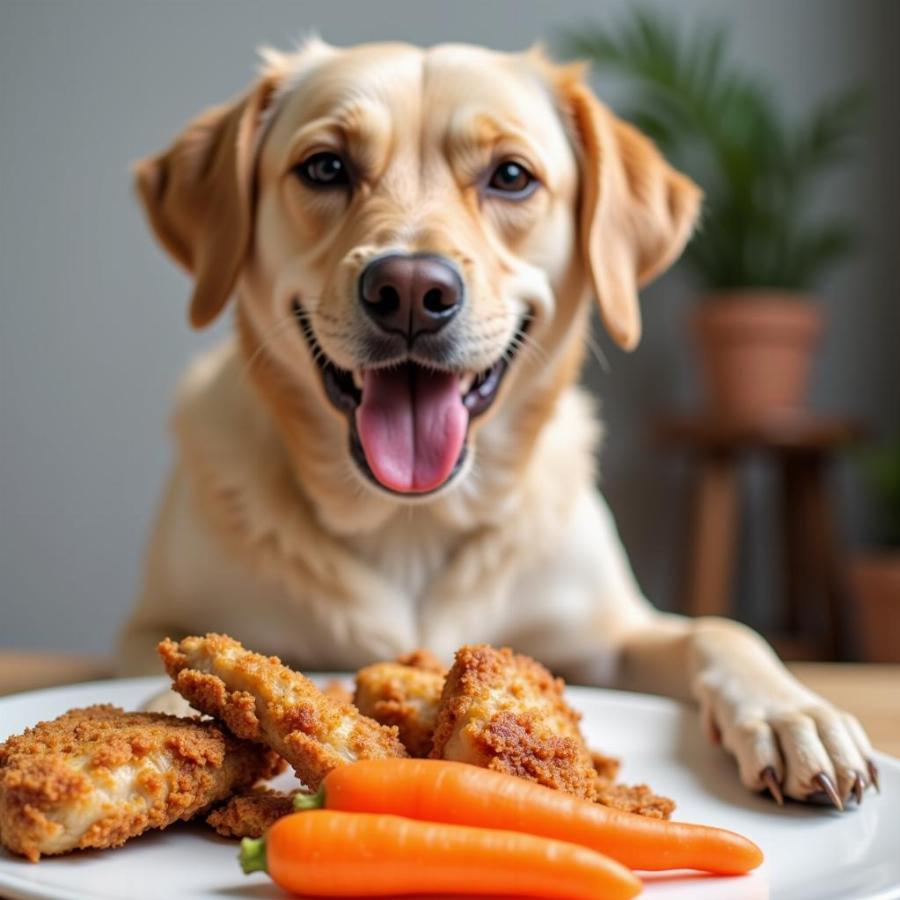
x: 527, y: 346
x: 597, y: 352
x: 533, y: 346
x: 278, y: 327
x: 276, y: 330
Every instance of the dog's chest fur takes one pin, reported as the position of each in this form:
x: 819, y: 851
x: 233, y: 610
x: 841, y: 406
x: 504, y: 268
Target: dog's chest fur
x: 409, y: 553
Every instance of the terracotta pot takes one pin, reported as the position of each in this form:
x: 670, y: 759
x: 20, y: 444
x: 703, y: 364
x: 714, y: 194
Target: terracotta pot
x: 875, y: 582
x: 756, y: 349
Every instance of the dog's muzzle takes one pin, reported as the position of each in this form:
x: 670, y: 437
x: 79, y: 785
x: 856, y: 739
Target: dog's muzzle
x: 408, y: 410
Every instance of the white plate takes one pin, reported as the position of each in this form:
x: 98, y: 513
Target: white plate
x: 811, y: 853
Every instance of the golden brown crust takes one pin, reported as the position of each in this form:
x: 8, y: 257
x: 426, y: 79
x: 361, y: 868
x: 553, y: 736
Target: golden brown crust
x: 422, y: 659
x: 95, y: 777
x: 403, y: 694
x: 251, y: 813
x: 506, y: 712
x: 261, y: 700
x: 337, y: 690
x: 606, y: 768
x: 636, y: 798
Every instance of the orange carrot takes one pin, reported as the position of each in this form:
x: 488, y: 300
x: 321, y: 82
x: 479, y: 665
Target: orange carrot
x: 336, y: 854
x: 461, y: 794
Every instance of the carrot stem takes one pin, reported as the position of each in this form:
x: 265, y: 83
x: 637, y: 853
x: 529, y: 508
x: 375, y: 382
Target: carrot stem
x: 303, y: 802
x: 253, y: 855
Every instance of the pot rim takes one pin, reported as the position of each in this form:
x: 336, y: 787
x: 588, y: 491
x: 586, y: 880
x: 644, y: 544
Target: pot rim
x: 759, y: 295
x: 750, y: 320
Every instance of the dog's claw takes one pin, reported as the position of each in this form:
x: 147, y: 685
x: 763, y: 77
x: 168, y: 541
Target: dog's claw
x: 873, y: 774
x: 828, y: 788
x: 859, y: 785
x: 770, y: 780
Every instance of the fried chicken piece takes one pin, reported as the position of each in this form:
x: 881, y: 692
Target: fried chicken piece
x: 262, y: 700
x: 405, y: 693
x: 250, y: 813
x: 95, y: 777
x: 636, y: 798
x: 506, y: 712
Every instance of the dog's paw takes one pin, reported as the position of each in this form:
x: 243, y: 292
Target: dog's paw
x: 787, y: 740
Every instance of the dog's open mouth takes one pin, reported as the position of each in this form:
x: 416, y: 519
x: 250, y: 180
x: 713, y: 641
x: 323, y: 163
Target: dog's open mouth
x: 408, y: 422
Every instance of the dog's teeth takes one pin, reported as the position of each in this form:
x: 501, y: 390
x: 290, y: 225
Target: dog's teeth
x: 358, y: 379
x: 465, y: 383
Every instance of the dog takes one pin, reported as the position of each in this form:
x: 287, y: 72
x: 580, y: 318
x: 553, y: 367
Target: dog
x: 392, y: 451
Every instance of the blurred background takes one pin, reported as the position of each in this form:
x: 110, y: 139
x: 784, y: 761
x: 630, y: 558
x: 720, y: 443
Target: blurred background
x: 771, y: 502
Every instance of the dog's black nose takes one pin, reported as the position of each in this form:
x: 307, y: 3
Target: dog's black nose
x: 411, y: 294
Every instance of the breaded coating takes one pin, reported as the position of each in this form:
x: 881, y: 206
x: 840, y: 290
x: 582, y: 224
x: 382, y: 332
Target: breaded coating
x: 636, y: 798
x: 422, y: 659
x: 407, y: 694
x: 606, y: 768
x: 506, y: 712
x: 95, y: 777
x: 250, y: 813
x: 261, y: 700
x: 337, y: 690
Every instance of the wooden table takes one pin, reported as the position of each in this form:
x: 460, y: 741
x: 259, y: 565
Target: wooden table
x: 871, y: 692
x: 801, y: 448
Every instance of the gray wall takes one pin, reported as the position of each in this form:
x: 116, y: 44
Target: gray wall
x: 92, y: 324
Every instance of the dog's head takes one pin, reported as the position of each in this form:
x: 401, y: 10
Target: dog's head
x: 411, y: 235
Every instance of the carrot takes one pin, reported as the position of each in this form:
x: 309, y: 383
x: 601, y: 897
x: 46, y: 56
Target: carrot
x: 336, y: 854
x: 462, y: 794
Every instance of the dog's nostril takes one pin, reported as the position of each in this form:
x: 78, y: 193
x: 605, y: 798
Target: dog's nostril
x: 388, y: 299
x: 433, y: 301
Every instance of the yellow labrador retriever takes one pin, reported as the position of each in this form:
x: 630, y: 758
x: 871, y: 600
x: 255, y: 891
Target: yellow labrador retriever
x: 392, y: 452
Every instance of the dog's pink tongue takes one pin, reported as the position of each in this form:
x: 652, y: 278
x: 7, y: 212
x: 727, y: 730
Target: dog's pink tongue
x: 412, y: 425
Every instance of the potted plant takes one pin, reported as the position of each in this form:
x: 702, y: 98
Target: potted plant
x: 875, y: 573
x: 759, y: 251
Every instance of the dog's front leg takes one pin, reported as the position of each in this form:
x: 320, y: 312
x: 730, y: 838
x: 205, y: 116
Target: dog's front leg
x: 784, y: 737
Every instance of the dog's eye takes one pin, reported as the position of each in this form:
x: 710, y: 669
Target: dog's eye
x: 512, y: 179
x: 323, y: 170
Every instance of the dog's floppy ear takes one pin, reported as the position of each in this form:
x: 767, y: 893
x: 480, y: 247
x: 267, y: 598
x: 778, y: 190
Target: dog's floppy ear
x: 198, y: 197
x: 636, y: 212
